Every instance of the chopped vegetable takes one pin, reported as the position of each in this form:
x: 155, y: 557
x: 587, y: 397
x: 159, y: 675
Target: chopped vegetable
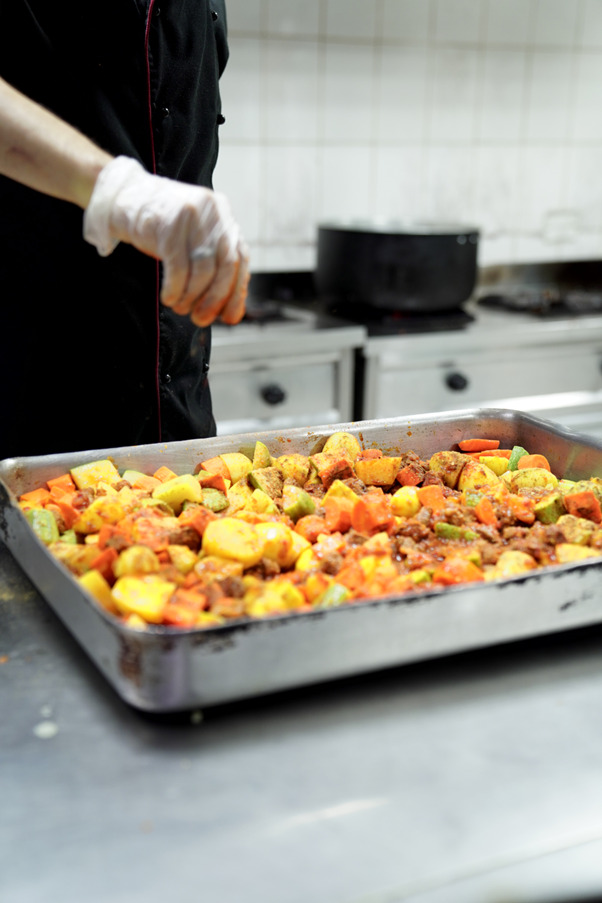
x: 253, y: 534
x: 533, y: 461
x: 516, y: 454
x: 478, y: 445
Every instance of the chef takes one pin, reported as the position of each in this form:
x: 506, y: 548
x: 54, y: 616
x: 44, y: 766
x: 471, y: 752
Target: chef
x: 112, y: 109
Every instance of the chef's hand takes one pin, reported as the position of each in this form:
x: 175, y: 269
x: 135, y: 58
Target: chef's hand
x: 189, y: 228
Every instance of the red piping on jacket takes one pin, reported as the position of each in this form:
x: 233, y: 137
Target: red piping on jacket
x: 149, y: 107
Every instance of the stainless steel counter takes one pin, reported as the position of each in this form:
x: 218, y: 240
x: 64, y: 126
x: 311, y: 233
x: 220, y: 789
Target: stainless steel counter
x: 475, y: 778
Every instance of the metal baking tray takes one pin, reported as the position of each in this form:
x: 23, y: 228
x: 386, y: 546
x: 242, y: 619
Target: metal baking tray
x: 165, y: 670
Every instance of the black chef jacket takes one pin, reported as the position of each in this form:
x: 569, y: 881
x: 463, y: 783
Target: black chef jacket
x: 88, y: 356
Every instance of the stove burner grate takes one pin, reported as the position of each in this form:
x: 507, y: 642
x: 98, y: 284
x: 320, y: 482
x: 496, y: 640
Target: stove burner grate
x: 545, y: 302
x: 379, y: 322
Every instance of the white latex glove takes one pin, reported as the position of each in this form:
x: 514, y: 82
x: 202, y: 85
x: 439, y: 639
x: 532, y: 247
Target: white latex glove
x: 189, y: 228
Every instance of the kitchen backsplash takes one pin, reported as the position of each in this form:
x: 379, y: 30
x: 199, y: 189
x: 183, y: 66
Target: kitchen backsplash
x: 486, y: 112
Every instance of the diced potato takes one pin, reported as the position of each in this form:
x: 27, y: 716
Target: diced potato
x: 342, y: 443
x: 103, y: 510
x: 261, y: 503
x: 576, y: 530
x: 208, y: 619
x: 419, y: 576
x: 379, y: 543
x: 533, y: 478
x: 273, y: 598
x: 405, y: 502
x: 448, y: 465
x: 238, y: 465
x: 143, y: 596
x: 278, y: 542
x: 497, y: 465
x: 87, y: 475
x: 378, y: 471
x: 316, y: 584
x: 568, y: 551
x: 136, y: 622
x: 475, y: 475
x: 338, y: 488
x: 97, y: 586
x: 300, y: 545
x: 140, y: 480
x: 238, y: 495
x: 261, y: 456
x: 134, y: 560
x: 77, y: 558
x: 175, y: 492
x: 294, y: 467
x: 307, y: 560
x: 230, y: 537
x: 510, y: 564
x: 214, y: 566
x: 182, y: 558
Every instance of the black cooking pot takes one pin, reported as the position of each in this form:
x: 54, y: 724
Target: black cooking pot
x: 427, y: 267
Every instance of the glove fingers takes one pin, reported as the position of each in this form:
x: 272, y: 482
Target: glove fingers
x: 200, y: 274
x: 209, y: 305
x: 234, y: 309
x: 177, y: 265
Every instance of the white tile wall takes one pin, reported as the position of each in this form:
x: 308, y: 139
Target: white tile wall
x: 480, y: 111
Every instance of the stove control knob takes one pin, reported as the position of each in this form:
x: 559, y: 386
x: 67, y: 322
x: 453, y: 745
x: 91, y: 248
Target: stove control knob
x: 457, y: 382
x: 273, y: 394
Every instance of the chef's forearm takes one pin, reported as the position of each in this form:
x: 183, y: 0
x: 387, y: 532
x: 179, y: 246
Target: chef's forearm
x: 41, y: 151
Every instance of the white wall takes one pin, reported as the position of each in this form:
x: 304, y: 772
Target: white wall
x: 487, y: 112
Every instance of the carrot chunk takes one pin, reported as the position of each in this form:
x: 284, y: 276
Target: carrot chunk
x: 310, y: 526
x: 65, y: 482
x: 372, y: 513
x: 533, y: 461
x: 337, y: 515
x: 584, y: 504
x: 485, y: 512
x: 457, y: 570
x: 476, y: 445
x: 35, y: 498
x: 432, y: 497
